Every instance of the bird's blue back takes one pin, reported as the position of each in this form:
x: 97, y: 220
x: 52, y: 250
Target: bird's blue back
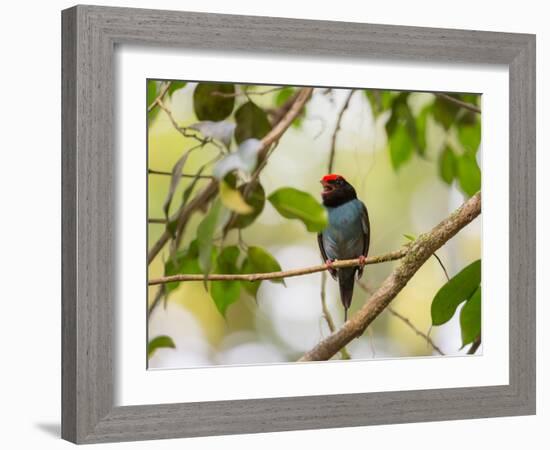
x: 344, y: 236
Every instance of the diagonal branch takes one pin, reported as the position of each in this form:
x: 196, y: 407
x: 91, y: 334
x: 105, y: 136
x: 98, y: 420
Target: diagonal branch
x: 417, y: 254
x: 456, y: 101
x: 283, y: 273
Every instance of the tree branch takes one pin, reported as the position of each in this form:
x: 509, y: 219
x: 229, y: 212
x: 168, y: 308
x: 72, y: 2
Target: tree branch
x: 283, y: 273
x: 458, y: 102
x: 416, y: 255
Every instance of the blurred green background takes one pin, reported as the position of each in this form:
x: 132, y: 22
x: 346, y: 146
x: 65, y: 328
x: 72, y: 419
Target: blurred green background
x: 412, y: 157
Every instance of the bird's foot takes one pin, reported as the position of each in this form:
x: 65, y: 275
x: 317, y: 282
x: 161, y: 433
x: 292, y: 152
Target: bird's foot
x: 330, y: 263
x: 362, y: 261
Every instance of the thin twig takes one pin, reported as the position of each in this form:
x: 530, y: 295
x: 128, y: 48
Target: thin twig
x: 405, y: 320
x: 442, y: 266
x: 183, y: 175
x: 247, y: 93
x: 458, y: 102
x: 423, y: 335
x: 161, y: 95
x: 418, y: 253
x: 156, y: 220
x: 283, y: 273
x: 336, y: 129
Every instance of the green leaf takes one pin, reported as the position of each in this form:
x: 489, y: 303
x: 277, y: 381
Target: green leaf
x: 245, y: 159
x: 421, y: 122
x: 447, y: 165
x: 221, y: 131
x: 175, y: 86
x: 399, y: 108
x: 256, y: 199
x: 174, y: 182
x: 152, y: 93
x: 250, y: 286
x: 410, y: 237
x: 183, y: 261
x: 159, y: 342
x: 470, y: 136
x: 454, y: 292
x: 252, y: 122
x: 469, y: 175
x: 445, y: 111
x: 210, y: 103
x: 283, y: 95
x: 233, y: 200
x: 259, y: 260
x: 401, y: 146
x: 189, y: 189
x: 205, y: 235
x: 470, y: 318
x: 295, y: 204
x: 224, y: 293
x: 380, y: 101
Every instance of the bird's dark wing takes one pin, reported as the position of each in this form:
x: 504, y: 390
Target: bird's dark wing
x: 365, y: 226
x: 324, y: 253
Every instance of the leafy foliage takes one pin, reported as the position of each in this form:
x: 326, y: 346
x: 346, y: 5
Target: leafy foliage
x: 469, y: 175
x: 174, y: 182
x: 407, y: 131
x: 458, y: 289
x: 233, y: 200
x: 213, y: 101
x: 221, y: 131
x: 256, y: 200
x: 224, y: 293
x: 244, y: 159
x: 159, y: 342
x: 205, y: 236
x: 259, y: 260
x: 470, y: 318
x: 464, y: 287
x: 447, y: 165
x: 176, y: 86
x: 252, y: 122
x: 183, y: 261
x: 295, y: 204
x: 152, y: 94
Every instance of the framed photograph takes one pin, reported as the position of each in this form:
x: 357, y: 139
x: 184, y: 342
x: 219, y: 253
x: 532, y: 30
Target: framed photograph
x: 267, y: 229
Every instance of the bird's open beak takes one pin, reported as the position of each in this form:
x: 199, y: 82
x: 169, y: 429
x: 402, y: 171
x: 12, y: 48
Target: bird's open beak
x: 327, y: 187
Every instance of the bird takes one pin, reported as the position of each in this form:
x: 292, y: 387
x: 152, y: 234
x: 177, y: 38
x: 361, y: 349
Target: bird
x: 347, y: 235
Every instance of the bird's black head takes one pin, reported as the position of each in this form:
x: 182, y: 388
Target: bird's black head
x: 336, y: 190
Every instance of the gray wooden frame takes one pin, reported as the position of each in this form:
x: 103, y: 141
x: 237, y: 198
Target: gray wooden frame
x: 90, y: 34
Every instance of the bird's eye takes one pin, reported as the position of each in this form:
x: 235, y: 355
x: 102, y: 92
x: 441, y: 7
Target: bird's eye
x: 339, y: 181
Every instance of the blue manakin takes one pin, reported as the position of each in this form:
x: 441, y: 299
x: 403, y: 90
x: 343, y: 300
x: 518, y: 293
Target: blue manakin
x: 347, y: 235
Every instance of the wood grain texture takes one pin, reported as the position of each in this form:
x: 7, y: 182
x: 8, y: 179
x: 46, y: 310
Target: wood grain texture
x: 89, y: 206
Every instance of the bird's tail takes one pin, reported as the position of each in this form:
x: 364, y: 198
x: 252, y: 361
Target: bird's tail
x: 346, y: 280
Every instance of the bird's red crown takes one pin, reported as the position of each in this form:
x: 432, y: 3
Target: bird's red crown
x: 332, y: 177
